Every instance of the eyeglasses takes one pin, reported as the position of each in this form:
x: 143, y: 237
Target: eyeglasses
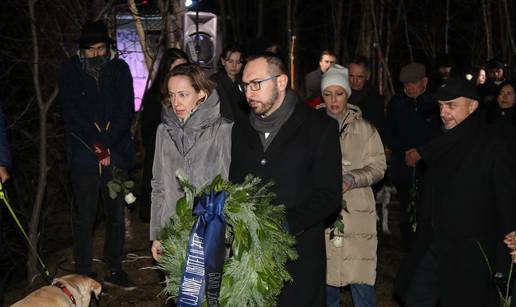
x: 254, y: 85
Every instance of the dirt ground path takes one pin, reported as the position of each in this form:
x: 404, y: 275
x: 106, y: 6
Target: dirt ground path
x: 138, y: 263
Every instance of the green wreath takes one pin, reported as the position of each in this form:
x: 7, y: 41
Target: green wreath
x: 254, y: 273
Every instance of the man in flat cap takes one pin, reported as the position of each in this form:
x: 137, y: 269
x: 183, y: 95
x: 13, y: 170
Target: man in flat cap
x: 97, y: 98
x: 466, y: 210
x: 412, y: 119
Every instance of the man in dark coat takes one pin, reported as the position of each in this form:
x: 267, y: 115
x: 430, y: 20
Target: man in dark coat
x: 97, y: 98
x: 364, y: 96
x: 313, y: 79
x: 495, y: 77
x: 466, y: 210
x: 412, y: 120
x: 298, y: 149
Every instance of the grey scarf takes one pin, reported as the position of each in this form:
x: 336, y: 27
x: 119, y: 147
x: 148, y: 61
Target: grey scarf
x: 272, y: 123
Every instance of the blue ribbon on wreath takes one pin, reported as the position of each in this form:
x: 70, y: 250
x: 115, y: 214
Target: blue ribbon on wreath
x: 204, y: 261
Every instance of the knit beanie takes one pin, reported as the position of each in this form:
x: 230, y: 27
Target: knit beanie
x: 336, y: 75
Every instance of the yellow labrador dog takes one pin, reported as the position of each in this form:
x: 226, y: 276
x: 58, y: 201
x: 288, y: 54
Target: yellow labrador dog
x: 67, y: 291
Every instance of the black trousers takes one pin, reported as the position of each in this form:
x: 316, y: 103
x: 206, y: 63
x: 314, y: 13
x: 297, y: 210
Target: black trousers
x: 87, y: 188
x: 440, y: 279
x: 403, y: 193
x: 424, y: 290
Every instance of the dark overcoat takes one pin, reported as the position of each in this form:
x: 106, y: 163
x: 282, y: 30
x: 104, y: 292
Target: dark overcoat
x: 304, y: 161
x: 410, y: 123
x: 97, y: 111
x: 467, y: 207
x: 233, y: 105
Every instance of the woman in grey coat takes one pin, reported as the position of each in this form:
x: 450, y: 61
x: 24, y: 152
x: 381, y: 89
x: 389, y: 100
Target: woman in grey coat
x: 193, y: 138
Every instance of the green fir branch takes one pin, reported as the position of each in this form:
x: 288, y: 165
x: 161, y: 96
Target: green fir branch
x: 255, y: 272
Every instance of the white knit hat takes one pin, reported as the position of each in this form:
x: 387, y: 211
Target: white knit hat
x: 336, y: 75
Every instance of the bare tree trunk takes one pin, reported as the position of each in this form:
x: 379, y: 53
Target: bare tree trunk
x: 446, y: 26
x: 168, y: 23
x: 259, y: 31
x: 337, y: 13
x: 32, y: 266
x: 365, y: 39
x: 177, y: 15
x: 141, y: 33
x: 223, y: 18
x: 104, y: 9
x: 378, y: 44
x: 407, y: 37
x: 508, y: 26
x: 486, y: 14
x: 292, y: 44
x: 234, y: 22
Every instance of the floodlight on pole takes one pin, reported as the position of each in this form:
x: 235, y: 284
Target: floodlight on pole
x: 189, y: 3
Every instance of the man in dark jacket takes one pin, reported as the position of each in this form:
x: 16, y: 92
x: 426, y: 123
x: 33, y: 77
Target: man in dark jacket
x: 412, y: 120
x: 98, y: 105
x: 364, y: 96
x: 313, y: 79
x: 466, y: 210
x: 298, y: 149
x: 495, y: 77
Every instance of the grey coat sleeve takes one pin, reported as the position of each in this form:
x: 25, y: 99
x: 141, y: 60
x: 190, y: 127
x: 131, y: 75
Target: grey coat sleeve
x: 157, y: 194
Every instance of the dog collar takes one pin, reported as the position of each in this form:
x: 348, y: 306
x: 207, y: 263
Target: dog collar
x: 65, y: 290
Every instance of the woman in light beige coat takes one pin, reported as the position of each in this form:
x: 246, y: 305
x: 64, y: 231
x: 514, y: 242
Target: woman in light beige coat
x: 351, y: 254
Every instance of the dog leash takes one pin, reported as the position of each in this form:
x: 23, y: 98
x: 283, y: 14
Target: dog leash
x: 3, y: 196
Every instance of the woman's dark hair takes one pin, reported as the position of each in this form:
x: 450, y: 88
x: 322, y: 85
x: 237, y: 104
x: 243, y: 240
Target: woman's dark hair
x: 502, y: 85
x: 193, y: 72
x: 227, y: 51
x: 168, y: 57
x: 475, y: 72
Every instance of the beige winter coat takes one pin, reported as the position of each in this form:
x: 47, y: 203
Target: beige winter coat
x: 363, y: 157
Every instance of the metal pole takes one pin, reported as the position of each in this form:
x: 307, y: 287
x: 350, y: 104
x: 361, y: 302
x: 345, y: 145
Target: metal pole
x: 197, y: 46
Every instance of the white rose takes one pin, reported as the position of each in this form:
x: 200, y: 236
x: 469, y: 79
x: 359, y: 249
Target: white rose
x: 129, y: 198
x: 337, y: 241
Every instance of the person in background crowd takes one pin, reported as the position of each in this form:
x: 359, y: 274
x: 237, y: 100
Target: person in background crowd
x: 412, y: 120
x: 232, y: 101
x: 467, y: 208
x: 297, y: 148
x: 193, y: 138
x: 363, y: 163
x: 150, y: 120
x: 495, y: 77
x: 96, y: 92
x: 313, y: 79
x: 503, y: 112
x: 477, y: 76
x: 443, y: 71
x: 364, y: 95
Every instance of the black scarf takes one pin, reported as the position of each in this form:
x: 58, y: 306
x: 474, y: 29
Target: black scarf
x: 93, y: 66
x: 357, y: 97
x: 271, y: 124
